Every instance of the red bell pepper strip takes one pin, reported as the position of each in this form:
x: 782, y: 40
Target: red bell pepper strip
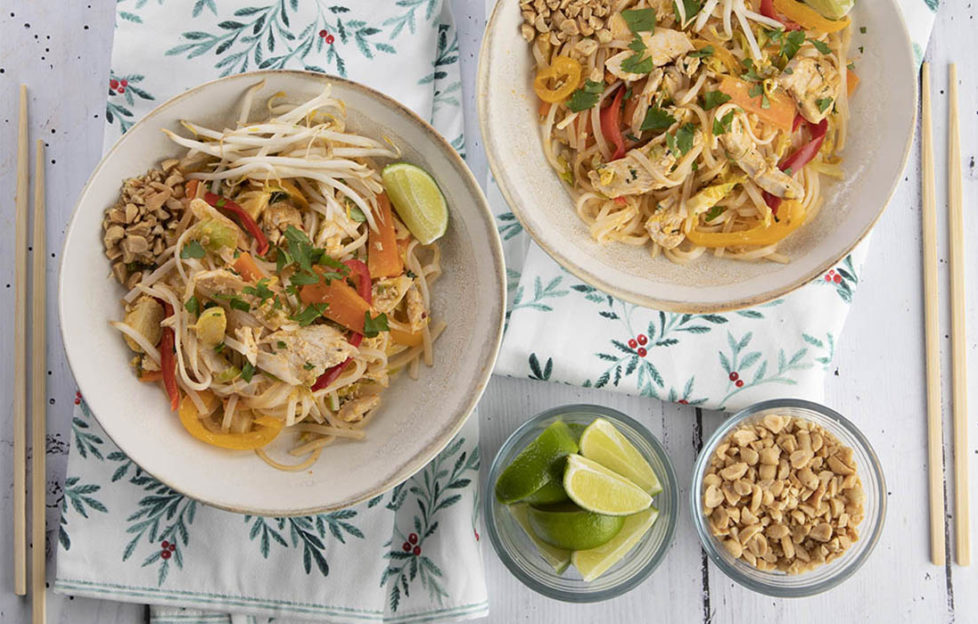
x: 243, y: 218
x: 767, y: 10
x: 611, y: 124
x: 365, y: 290
x: 801, y: 157
x: 168, y: 363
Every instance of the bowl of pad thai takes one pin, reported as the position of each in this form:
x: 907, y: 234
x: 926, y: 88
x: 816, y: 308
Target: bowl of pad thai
x: 698, y: 155
x: 281, y: 293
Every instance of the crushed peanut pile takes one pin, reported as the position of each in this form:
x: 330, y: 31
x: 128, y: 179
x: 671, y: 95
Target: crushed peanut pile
x: 783, y: 494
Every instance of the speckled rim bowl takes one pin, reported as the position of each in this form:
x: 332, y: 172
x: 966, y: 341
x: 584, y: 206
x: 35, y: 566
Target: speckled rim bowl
x: 824, y: 577
x: 521, y: 557
x: 417, y: 418
x: 880, y: 134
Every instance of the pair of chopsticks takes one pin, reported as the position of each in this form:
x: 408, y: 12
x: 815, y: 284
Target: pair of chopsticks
x: 959, y: 387
x: 38, y: 360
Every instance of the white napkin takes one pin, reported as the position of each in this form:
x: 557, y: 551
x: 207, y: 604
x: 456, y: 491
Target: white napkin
x: 410, y: 555
x: 560, y: 329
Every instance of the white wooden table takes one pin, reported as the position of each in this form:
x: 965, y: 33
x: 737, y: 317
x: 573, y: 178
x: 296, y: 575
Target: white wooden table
x: 61, y: 50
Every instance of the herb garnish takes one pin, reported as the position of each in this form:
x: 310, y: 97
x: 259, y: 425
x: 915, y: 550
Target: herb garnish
x: 193, y: 305
x: 193, y: 249
x: 639, y: 20
x: 702, y: 53
x: 714, y: 212
x: 682, y: 141
x: 821, y: 46
x: 585, y: 97
x: 373, y: 326
x: 260, y: 290
x: 247, y: 371
x: 310, y: 314
x: 657, y: 119
x: 823, y: 104
x: 722, y: 125
x: 712, y: 99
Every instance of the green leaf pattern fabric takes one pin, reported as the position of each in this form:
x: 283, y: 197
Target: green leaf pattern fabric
x: 124, y: 535
x: 560, y: 329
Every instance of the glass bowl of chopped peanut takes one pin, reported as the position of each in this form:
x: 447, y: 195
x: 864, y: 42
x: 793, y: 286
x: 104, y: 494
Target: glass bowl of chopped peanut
x: 788, y: 498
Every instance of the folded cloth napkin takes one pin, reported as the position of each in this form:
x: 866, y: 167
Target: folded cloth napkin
x: 410, y: 555
x: 560, y: 329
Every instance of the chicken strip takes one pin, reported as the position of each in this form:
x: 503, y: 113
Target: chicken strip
x: 302, y: 355
x: 766, y: 174
x: 814, y: 83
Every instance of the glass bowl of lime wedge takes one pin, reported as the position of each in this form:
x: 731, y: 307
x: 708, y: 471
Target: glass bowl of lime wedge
x: 582, y: 503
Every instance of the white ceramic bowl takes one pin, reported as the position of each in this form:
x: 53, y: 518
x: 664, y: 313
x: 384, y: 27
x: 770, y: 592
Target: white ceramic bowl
x: 881, y: 131
x: 417, y: 418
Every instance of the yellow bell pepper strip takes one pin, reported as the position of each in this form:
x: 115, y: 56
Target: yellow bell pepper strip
x: 407, y: 339
x: 781, y: 108
x: 721, y: 53
x: 792, y: 217
x: 268, y: 430
x: 808, y: 18
x: 564, y: 73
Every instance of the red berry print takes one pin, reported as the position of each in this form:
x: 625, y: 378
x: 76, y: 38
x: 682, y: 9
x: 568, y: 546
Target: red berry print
x: 734, y: 376
x: 173, y: 547
x: 78, y: 398
x: 632, y: 343
x: 323, y: 33
x: 476, y: 534
x: 837, y: 279
x: 683, y: 402
x: 828, y: 278
x: 166, y: 554
x: 417, y: 551
x: 643, y: 339
x: 330, y: 39
x: 413, y: 538
x: 165, y: 544
x: 124, y: 82
x: 642, y: 352
x: 740, y: 383
x: 122, y: 89
x: 113, y: 84
x: 406, y: 547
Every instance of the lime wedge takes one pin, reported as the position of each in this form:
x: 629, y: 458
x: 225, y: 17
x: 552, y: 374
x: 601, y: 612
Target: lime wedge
x: 558, y: 558
x: 596, y: 561
x: 417, y: 199
x: 540, y: 463
x: 568, y: 526
x: 552, y: 492
x: 607, y: 446
x: 597, y: 489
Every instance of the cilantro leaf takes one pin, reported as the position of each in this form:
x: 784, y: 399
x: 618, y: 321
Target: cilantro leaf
x: 639, y: 20
x: 750, y: 72
x: 193, y: 249
x: 684, y: 138
x: 310, y: 314
x: 702, y: 52
x: 692, y: 7
x: 821, y: 46
x: 356, y: 214
x: 823, y: 104
x: 792, y: 43
x: 713, y: 213
x: 585, y: 97
x: 304, y: 278
x: 260, y: 290
x: 635, y: 64
x: 722, y: 125
x: 637, y: 45
x: 712, y: 99
x: 247, y: 371
x: 300, y: 247
x: 237, y: 303
x: 657, y: 119
x: 373, y: 326
x: 756, y: 90
x: 192, y: 305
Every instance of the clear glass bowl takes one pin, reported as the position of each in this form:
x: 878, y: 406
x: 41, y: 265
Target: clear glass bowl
x: 520, y: 555
x: 825, y: 576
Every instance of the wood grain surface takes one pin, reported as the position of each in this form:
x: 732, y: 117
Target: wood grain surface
x: 61, y: 50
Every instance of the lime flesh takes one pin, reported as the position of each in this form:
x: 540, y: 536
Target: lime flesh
x: 418, y: 200
x: 594, y: 562
x: 595, y: 488
x: 539, y: 464
x: 558, y: 558
x: 570, y: 527
x: 606, y: 445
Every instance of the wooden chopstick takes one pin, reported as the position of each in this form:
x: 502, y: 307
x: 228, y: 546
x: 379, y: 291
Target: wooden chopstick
x: 959, y: 347
x: 20, y: 355
x: 38, y: 391
x: 935, y: 433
